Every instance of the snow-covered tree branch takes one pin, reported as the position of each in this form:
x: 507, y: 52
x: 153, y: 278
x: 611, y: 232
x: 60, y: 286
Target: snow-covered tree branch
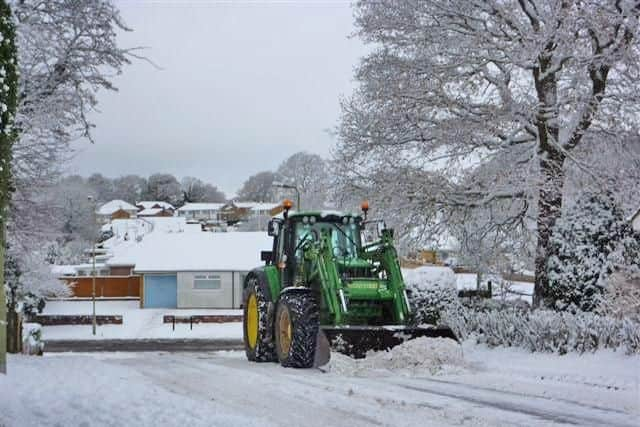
x: 467, y: 105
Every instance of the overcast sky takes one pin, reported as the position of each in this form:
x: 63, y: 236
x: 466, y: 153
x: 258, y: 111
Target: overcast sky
x: 243, y: 85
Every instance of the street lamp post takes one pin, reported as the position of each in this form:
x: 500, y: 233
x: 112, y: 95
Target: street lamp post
x: 93, y: 272
x: 290, y: 187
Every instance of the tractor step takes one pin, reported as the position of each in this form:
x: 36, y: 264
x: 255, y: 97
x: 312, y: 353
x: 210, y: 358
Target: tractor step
x: 356, y: 341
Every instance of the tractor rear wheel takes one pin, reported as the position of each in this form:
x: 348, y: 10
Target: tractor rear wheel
x: 296, y: 329
x: 256, y: 324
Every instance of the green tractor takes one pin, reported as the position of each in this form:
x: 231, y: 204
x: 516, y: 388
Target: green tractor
x: 321, y: 287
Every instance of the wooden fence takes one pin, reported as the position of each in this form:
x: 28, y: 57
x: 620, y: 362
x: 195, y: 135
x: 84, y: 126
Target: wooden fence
x: 106, y: 286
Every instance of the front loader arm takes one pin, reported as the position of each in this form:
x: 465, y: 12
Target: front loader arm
x: 384, y: 254
x: 321, y: 268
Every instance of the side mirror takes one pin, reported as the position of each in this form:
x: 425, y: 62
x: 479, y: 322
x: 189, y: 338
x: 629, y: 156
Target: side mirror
x: 273, y: 228
x: 266, y: 256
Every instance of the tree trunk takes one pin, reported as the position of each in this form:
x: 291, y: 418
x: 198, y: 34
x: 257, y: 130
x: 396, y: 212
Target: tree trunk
x: 14, y: 332
x: 3, y: 303
x: 549, y: 210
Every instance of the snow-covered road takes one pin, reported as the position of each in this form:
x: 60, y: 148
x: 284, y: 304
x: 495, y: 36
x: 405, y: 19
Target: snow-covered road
x: 496, y: 387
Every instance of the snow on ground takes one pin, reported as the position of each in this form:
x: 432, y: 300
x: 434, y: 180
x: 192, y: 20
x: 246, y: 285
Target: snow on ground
x: 137, y: 323
x: 505, y: 387
x: 516, y: 290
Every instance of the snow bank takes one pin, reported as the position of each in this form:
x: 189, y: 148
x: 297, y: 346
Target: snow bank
x: 421, y: 356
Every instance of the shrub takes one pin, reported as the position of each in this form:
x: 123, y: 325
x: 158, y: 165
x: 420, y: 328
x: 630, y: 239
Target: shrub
x: 431, y: 292
x: 545, y: 330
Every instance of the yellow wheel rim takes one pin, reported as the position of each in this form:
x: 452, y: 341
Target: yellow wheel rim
x: 252, y: 321
x: 284, y: 326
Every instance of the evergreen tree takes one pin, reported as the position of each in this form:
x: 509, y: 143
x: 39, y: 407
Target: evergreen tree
x: 8, y: 101
x: 585, y: 243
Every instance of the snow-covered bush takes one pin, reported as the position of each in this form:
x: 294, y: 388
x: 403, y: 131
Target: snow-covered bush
x: 431, y: 291
x: 622, y: 297
x: 589, y: 242
x: 32, y: 343
x: 545, y: 330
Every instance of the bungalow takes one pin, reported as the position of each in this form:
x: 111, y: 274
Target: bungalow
x: 200, y: 211
x: 116, y: 209
x: 233, y: 212
x: 155, y: 209
x: 193, y: 270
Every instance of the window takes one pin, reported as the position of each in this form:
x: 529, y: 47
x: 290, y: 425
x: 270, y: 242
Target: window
x: 207, y: 281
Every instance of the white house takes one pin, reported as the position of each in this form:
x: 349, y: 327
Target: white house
x: 258, y: 208
x: 116, y: 209
x: 201, y: 211
x: 193, y: 270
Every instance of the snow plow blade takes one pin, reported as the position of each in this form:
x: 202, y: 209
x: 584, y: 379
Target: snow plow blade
x: 356, y: 341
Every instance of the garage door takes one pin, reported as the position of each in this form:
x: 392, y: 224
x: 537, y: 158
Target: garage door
x: 160, y: 291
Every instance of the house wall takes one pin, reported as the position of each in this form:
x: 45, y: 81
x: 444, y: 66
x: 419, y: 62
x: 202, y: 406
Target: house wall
x: 636, y: 223
x: 228, y: 296
x: 120, y: 214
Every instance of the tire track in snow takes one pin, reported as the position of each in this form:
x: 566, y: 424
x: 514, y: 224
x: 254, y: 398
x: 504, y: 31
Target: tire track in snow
x: 520, y: 394
x: 523, y: 407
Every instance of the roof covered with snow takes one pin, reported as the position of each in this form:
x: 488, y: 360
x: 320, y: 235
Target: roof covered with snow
x: 201, y: 207
x: 257, y: 206
x: 151, y: 204
x: 172, y: 252
x: 114, y: 206
x: 63, y: 270
x: 151, y: 211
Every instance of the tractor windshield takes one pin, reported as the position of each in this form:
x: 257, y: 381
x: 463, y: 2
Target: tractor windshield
x: 345, y: 238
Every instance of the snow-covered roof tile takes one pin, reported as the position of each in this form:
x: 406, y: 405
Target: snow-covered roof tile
x: 203, y: 251
x: 114, y: 206
x: 151, y: 204
x: 258, y: 206
x: 150, y: 212
x: 201, y: 207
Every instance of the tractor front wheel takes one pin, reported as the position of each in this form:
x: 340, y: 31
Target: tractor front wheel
x: 258, y: 347
x: 296, y: 329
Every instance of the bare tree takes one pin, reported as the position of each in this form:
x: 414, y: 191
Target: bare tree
x: 258, y: 188
x: 163, y: 187
x: 195, y: 190
x: 130, y: 188
x: 523, y: 85
x: 67, y: 52
x: 309, y: 173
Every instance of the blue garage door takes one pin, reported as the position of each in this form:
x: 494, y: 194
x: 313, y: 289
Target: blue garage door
x: 160, y: 291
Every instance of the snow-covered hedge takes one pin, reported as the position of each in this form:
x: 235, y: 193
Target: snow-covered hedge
x: 431, y: 291
x: 545, y: 330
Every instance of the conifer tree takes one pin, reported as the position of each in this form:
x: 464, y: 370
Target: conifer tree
x: 584, y: 242
x: 8, y: 101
